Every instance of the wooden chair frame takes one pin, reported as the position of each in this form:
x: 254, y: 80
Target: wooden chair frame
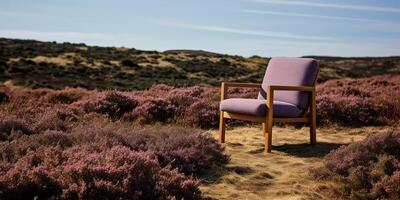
x: 267, y: 121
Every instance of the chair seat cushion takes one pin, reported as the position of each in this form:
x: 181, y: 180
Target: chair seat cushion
x: 259, y: 107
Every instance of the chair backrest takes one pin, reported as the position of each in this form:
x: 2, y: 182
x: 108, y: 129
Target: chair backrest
x: 290, y: 72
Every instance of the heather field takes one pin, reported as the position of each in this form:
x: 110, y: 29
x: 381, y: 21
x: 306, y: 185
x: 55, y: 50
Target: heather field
x: 159, y: 144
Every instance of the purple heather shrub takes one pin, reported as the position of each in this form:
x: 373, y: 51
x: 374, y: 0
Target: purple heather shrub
x: 361, y: 153
x: 367, y: 101
x: 10, y: 125
x: 65, y: 96
x: 160, y: 89
x: 112, y: 162
x: 181, y: 104
x: 367, y: 169
x: 122, y: 173
x: 86, y: 172
x: 249, y: 93
x: 28, y: 96
x: 57, y: 118
x: 155, y: 110
x: 190, y: 150
x: 194, y: 92
x: 203, y: 114
x: 12, y: 151
x: 113, y: 104
x: 182, y: 98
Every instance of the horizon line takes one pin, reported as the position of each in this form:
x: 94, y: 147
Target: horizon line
x: 206, y: 51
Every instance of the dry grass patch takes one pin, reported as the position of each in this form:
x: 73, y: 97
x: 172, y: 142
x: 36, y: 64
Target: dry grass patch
x: 59, y: 60
x: 283, y: 174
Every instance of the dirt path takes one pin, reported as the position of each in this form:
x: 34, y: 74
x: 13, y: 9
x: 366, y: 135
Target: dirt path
x: 283, y: 174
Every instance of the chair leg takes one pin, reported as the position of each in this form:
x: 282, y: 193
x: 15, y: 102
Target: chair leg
x: 268, y: 135
x: 313, y: 131
x: 264, y: 128
x: 313, y: 124
x: 221, y: 138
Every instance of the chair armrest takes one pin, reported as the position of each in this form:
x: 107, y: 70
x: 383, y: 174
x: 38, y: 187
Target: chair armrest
x: 293, y: 88
x: 272, y: 88
x: 226, y: 85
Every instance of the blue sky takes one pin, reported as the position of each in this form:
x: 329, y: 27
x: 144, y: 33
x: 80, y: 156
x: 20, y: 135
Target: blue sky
x: 242, y: 27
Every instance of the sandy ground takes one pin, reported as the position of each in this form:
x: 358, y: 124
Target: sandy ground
x: 282, y: 174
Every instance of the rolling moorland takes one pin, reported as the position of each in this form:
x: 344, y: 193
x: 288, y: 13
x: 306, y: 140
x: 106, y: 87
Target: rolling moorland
x: 35, y: 64
x: 141, y: 140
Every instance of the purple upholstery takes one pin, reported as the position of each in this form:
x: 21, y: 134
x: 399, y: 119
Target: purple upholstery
x: 290, y: 72
x: 259, y: 107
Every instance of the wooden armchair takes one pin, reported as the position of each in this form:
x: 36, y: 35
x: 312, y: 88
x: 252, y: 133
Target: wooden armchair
x: 287, y: 94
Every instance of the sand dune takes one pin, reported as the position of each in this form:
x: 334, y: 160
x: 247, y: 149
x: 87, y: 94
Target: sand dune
x: 283, y: 174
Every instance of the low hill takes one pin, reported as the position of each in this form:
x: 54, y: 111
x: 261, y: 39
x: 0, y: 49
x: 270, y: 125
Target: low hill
x: 30, y: 63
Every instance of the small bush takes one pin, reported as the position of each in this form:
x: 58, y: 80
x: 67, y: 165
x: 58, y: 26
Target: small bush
x: 106, y: 62
x: 129, y: 63
x: 203, y: 114
x: 368, y: 169
x: 63, y: 97
x: 10, y: 125
x: 155, y: 110
x: 58, y: 118
x: 4, y: 97
x: 113, y: 104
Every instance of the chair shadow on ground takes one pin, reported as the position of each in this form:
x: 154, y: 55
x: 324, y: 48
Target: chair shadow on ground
x: 306, y: 150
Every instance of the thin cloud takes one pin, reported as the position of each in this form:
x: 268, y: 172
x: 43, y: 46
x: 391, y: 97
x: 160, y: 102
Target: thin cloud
x: 308, y: 15
x: 20, y: 14
x: 264, y: 33
x: 330, y: 5
x: 49, y: 34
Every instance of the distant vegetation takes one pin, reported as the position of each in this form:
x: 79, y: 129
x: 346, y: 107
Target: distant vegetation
x: 36, y: 64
